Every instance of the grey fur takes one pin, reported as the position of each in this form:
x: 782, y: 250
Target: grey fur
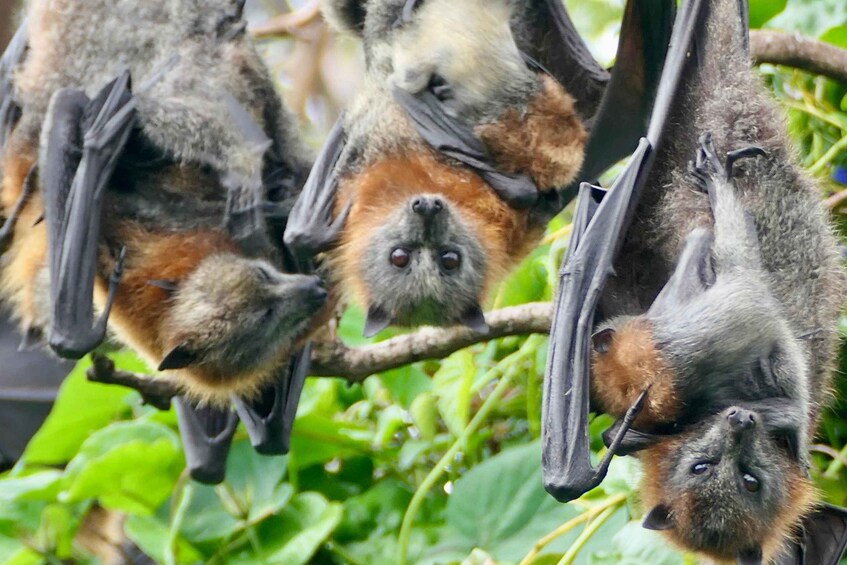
x: 232, y: 313
x: 799, y: 286
x: 423, y: 292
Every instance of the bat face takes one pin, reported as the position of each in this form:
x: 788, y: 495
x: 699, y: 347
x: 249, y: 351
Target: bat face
x: 424, y: 265
x: 468, y: 46
x: 727, y: 488
x: 234, y: 316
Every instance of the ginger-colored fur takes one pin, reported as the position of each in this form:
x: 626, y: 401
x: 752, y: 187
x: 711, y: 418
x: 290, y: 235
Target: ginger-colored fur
x: 505, y: 233
x: 547, y: 141
x: 801, y: 500
x: 28, y: 251
x: 631, y: 364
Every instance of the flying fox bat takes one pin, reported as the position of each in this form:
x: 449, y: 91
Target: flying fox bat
x: 441, y: 175
x: 163, y: 207
x: 698, y: 303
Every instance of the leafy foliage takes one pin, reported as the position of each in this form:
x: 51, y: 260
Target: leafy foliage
x: 438, y: 462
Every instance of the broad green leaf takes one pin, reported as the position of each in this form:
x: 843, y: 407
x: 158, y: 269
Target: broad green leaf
x: 206, y: 520
x: 390, y: 420
x: 43, y: 485
x: 452, y: 387
x: 646, y: 546
x: 424, y: 411
x: 256, y: 481
x: 406, y: 383
x: 317, y: 439
x: 130, y: 466
x: 81, y: 408
x: 292, y: 537
x: 761, y: 11
x: 152, y: 537
x: 836, y: 35
x: 376, y: 512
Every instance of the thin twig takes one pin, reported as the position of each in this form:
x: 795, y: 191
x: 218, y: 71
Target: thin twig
x: 290, y: 23
x: 794, y: 50
x: 155, y: 391
x: 355, y: 364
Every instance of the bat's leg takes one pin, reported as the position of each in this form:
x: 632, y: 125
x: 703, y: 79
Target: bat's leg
x: 7, y: 232
x: 206, y: 436
x: 73, y: 186
x: 270, y: 418
x: 732, y: 221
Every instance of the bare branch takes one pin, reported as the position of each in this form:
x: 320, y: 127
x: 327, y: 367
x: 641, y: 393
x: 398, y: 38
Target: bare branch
x: 155, y: 391
x: 334, y: 359
x: 291, y: 23
x: 355, y: 364
x: 794, y: 50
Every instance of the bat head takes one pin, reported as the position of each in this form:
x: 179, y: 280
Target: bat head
x: 424, y: 265
x: 467, y: 45
x: 727, y: 488
x: 233, y: 318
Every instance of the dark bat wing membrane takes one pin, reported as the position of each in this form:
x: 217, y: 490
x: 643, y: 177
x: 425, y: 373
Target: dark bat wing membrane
x: 823, y: 540
x: 312, y: 227
x: 568, y: 472
x: 73, y: 184
x: 12, y: 57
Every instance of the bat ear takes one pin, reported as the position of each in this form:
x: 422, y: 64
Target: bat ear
x: 180, y: 357
x: 602, y: 340
x: 659, y: 518
x: 475, y: 319
x: 378, y: 320
x: 345, y: 15
x: 752, y: 556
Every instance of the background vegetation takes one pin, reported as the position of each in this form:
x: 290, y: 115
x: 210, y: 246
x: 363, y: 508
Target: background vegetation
x: 438, y: 462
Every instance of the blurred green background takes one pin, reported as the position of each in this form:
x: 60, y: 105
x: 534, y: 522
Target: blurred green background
x: 438, y: 462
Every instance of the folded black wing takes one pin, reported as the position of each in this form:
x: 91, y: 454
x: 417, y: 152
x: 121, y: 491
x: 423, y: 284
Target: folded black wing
x: 568, y: 472
x: 9, y: 110
x: 823, y: 540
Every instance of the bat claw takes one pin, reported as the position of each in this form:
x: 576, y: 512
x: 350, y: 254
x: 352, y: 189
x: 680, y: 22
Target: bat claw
x: 747, y: 152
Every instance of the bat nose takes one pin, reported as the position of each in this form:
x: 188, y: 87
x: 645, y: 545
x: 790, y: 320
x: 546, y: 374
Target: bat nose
x: 740, y: 419
x: 427, y: 206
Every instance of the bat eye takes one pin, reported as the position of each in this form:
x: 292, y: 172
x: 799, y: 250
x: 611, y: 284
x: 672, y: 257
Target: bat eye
x: 400, y: 258
x: 700, y: 468
x: 751, y: 483
x: 450, y: 260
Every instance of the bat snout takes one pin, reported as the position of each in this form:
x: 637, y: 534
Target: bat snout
x: 427, y: 206
x: 740, y: 419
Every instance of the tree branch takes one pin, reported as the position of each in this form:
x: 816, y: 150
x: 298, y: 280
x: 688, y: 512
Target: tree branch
x: 355, y: 364
x: 794, y: 50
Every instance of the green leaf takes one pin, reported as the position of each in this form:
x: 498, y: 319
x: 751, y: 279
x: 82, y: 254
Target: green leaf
x: 317, y: 439
x: 130, y: 466
x: 452, y: 385
x: 836, y: 35
x: 206, y: 519
x: 256, y: 481
x: 636, y: 543
x: 292, y: 537
x: 80, y: 409
x: 761, y: 11
x: 43, y: 485
x: 406, y: 383
x: 498, y: 497
x: 152, y: 537
x: 424, y: 413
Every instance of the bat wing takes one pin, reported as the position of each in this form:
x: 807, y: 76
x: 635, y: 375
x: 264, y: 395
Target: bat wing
x: 616, y: 106
x: 15, y: 52
x: 72, y: 184
x: 455, y: 139
x: 270, y: 418
x: 206, y: 435
x: 311, y: 227
x: 566, y: 458
x: 823, y: 541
